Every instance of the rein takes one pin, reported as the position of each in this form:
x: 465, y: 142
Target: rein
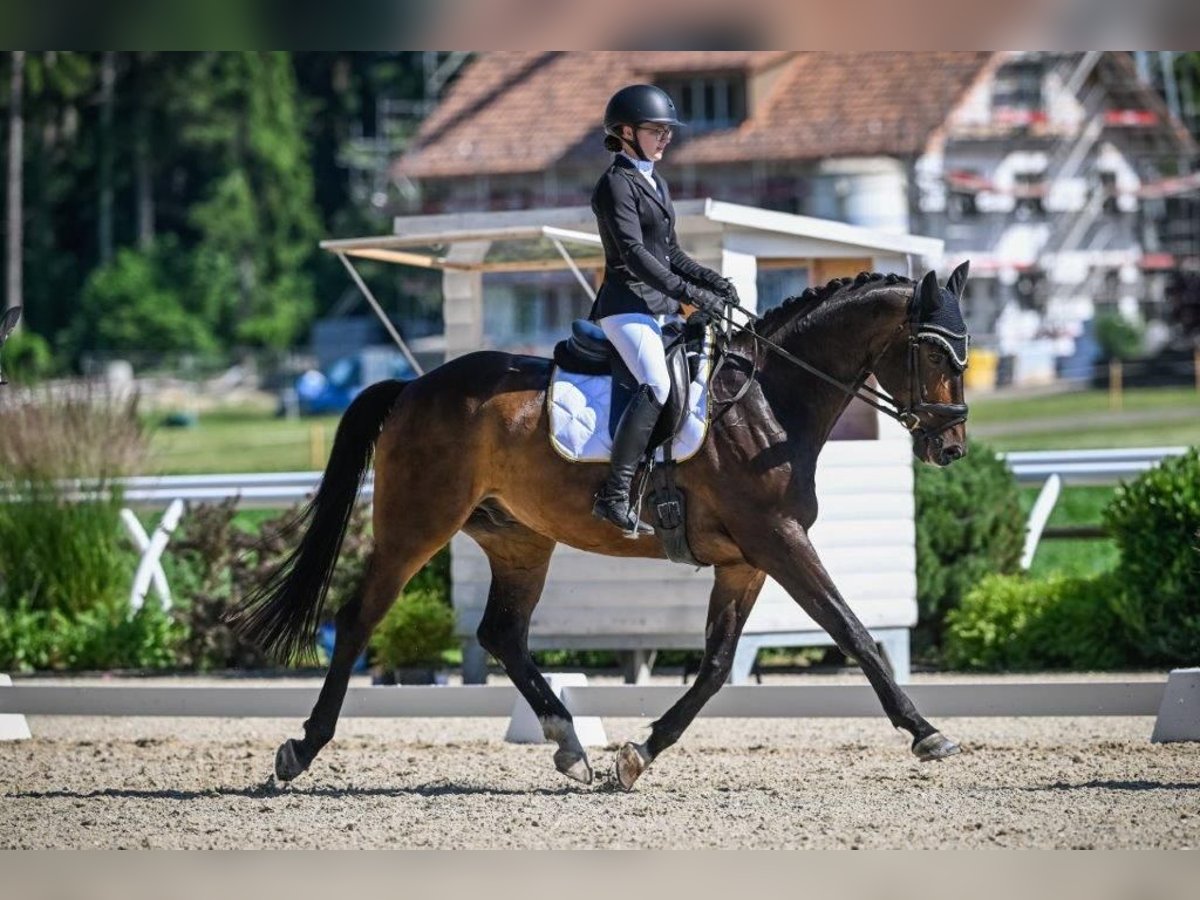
x: 950, y: 414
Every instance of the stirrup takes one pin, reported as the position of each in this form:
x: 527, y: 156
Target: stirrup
x: 631, y: 525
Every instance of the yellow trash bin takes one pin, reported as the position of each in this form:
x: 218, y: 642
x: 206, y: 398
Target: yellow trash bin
x: 981, y: 373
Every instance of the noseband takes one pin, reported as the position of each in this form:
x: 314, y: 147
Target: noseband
x: 923, y: 419
x: 940, y: 417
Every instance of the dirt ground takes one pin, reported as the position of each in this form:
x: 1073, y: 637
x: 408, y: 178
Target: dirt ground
x: 832, y: 783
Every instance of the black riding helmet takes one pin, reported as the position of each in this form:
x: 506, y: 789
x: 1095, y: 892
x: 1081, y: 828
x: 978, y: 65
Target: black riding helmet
x: 635, y: 105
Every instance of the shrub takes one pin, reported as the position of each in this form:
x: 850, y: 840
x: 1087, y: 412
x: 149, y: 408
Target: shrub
x: 204, y: 566
x: 213, y: 562
x: 103, y: 636
x: 1015, y: 622
x: 78, y: 431
x: 415, y: 632
x: 969, y: 525
x: 1155, y: 521
x: 1118, y: 337
x: 62, y: 556
x: 26, y: 358
x: 65, y: 570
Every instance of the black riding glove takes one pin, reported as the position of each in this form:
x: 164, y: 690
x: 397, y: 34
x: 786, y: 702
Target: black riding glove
x: 704, y: 300
x: 719, y: 284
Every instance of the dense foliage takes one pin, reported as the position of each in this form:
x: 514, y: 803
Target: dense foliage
x: 1022, y: 623
x: 1156, y: 523
x: 172, y: 202
x: 65, y: 567
x: 969, y: 526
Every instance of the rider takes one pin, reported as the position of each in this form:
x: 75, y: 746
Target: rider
x: 646, y: 277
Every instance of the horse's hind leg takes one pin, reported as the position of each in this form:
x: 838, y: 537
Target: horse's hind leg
x: 402, y: 547
x: 519, y: 560
x: 734, y: 591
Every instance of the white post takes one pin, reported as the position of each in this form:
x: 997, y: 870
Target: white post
x: 13, y: 726
x: 1038, y: 517
x: 742, y: 269
x: 150, y: 559
x: 1179, y: 714
x: 141, y: 541
x: 462, y: 296
x: 524, y: 727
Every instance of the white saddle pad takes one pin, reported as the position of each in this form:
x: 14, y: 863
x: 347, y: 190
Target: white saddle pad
x: 579, y: 407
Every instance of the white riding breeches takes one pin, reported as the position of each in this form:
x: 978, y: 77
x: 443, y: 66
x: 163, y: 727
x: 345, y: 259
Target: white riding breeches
x: 638, y: 338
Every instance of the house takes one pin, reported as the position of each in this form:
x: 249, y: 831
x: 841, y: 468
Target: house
x: 1062, y: 176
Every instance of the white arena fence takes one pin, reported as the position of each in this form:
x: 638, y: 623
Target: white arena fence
x: 282, y: 489
x: 1175, y: 701
x: 1084, y: 698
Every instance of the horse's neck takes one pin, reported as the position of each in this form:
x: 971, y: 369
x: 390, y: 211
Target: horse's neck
x: 840, y: 342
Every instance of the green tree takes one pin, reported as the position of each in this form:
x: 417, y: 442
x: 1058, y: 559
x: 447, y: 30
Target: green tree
x: 135, y: 307
x: 256, y: 222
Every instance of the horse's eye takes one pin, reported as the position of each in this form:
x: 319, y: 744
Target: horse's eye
x: 936, y: 357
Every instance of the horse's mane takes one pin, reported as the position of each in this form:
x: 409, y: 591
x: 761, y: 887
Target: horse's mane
x: 798, y: 307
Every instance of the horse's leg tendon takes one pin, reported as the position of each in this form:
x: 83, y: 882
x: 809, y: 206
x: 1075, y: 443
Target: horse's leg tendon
x: 734, y: 591
x: 519, y: 560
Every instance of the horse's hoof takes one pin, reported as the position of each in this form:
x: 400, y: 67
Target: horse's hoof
x: 934, y: 746
x: 287, y: 763
x: 632, y: 761
x: 574, y: 765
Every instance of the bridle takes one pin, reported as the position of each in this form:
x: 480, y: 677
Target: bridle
x: 920, y: 417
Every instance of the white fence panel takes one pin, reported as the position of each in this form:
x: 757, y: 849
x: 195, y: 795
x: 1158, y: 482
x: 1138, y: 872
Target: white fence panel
x: 864, y: 533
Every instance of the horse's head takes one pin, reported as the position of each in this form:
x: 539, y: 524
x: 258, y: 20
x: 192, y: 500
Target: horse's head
x: 924, y: 371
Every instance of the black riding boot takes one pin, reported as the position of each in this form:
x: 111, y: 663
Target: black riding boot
x: 629, y: 444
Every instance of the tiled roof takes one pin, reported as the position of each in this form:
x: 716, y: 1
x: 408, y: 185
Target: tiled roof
x: 525, y: 111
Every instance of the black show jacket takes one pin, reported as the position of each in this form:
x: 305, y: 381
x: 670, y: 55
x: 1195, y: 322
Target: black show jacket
x: 644, y: 268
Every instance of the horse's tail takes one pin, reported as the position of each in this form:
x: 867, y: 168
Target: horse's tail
x: 281, y: 614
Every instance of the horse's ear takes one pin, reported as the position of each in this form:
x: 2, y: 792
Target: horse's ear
x: 958, y: 279
x: 9, y: 321
x: 929, y: 295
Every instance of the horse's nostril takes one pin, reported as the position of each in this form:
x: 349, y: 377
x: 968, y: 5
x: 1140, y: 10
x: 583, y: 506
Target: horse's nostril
x: 953, y: 453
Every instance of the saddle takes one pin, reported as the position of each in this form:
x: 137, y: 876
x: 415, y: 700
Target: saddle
x: 588, y: 352
x: 590, y: 389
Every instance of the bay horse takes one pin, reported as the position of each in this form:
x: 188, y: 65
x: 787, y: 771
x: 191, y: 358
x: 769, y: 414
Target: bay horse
x: 465, y: 447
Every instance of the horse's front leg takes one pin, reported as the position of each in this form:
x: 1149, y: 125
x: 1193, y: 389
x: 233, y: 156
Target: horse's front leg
x: 782, y: 548
x: 733, y: 595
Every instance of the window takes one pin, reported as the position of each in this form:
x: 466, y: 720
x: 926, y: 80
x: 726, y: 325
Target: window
x: 1029, y: 189
x: 1031, y: 289
x: 962, y: 205
x: 708, y: 102
x: 1107, y: 185
x: 1018, y: 86
x: 778, y: 280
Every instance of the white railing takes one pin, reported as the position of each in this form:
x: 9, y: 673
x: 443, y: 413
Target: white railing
x: 266, y: 490
x: 1082, y: 467
x: 271, y: 490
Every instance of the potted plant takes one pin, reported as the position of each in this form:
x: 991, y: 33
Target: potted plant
x: 409, y: 642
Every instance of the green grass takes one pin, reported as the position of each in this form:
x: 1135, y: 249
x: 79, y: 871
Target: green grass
x: 989, y: 408
x: 241, y: 440
x: 1175, y: 434
x: 1076, y: 420
x: 1076, y: 506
